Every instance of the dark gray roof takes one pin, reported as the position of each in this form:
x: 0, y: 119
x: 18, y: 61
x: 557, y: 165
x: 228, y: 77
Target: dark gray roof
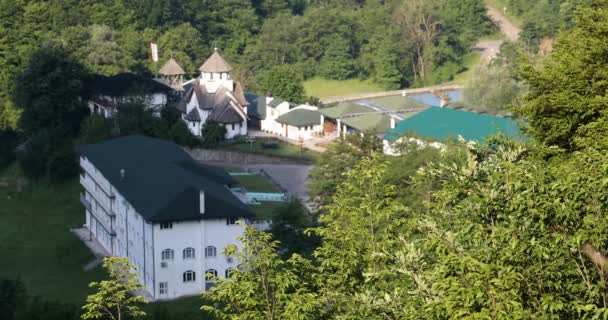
x: 225, y: 114
x: 162, y: 182
x: 220, y: 104
x: 193, y: 116
x: 125, y: 83
x: 239, y: 94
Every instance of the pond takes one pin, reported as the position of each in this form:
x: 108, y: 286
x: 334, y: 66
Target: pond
x: 433, y: 100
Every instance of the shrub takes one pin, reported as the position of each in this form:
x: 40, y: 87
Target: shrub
x: 8, y: 142
x: 213, y: 133
x: 63, y: 163
x: 95, y: 129
x: 33, y: 154
x: 180, y: 134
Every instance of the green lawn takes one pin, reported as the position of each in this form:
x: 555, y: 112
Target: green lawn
x: 256, y: 183
x: 266, y: 208
x: 283, y: 149
x: 471, y: 60
x: 36, y: 244
x: 319, y: 87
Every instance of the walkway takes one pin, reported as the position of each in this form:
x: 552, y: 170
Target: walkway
x: 490, y: 48
x: 362, y: 96
x: 313, y: 144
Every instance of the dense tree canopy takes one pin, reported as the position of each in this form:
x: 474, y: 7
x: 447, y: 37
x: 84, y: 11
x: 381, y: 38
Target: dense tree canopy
x: 333, y: 39
x: 49, y: 92
x: 566, y: 106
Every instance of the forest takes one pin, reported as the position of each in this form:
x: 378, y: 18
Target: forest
x: 395, y: 43
x: 541, y: 19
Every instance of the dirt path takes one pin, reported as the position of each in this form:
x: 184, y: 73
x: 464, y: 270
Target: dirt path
x: 489, y: 48
x: 509, y: 29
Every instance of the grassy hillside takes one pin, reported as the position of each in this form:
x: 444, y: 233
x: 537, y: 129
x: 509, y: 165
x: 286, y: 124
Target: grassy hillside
x: 319, y: 87
x: 36, y: 244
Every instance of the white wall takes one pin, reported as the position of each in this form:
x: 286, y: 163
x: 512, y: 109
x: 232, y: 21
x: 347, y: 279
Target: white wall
x: 212, y: 81
x: 305, y: 132
x: 389, y: 147
x: 116, y: 225
x: 240, y: 129
x: 269, y: 124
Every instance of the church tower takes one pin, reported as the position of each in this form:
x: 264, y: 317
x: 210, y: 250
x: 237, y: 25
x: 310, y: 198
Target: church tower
x: 215, y: 72
x: 172, y: 74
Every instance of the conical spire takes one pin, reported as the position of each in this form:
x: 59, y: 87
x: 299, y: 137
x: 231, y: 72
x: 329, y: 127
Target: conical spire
x: 215, y: 64
x: 171, y: 68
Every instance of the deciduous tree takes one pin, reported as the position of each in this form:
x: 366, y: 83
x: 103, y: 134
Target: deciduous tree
x: 115, y: 297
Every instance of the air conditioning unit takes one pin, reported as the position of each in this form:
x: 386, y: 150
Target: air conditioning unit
x: 230, y: 259
x: 163, y: 264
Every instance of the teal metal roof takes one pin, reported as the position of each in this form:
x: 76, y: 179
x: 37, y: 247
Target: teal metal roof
x: 442, y: 123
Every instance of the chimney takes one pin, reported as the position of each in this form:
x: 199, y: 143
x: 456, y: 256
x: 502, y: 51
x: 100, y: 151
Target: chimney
x: 202, y: 201
x: 392, y: 122
x: 122, y: 174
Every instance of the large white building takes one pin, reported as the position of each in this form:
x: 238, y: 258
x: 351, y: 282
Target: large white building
x: 214, y: 96
x: 148, y: 200
x: 288, y: 120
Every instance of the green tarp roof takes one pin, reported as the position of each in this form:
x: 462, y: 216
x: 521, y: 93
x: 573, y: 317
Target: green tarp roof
x: 162, y: 182
x: 342, y: 109
x: 442, y: 123
x: 300, y: 117
x: 371, y: 123
x: 396, y: 103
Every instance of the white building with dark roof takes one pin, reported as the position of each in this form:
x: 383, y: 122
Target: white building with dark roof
x: 107, y: 92
x: 289, y: 120
x: 146, y: 199
x: 214, y: 96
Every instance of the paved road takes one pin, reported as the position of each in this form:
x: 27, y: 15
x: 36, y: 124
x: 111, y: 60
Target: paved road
x: 490, y: 48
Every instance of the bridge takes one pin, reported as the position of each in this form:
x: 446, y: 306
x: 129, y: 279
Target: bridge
x: 439, y: 91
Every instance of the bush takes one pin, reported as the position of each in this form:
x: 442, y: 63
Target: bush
x: 213, y: 133
x: 48, y: 153
x: 33, y: 154
x: 8, y: 142
x: 63, y: 163
x: 180, y: 134
x: 95, y: 129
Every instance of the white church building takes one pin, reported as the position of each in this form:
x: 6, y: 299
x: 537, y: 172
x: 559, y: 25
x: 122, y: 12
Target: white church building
x: 214, y: 96
x: 146, y: 199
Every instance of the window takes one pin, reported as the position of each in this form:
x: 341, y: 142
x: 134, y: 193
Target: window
x: 189, y: 276
x: 210, y: 251
x: 230, y: 221
x: 167, y: 254
x: 163, y: 287
x: 210, y: 274
x: 166, y: 225
x: 233, y: 126
x: 189, y: 253
x: 228, y: 273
